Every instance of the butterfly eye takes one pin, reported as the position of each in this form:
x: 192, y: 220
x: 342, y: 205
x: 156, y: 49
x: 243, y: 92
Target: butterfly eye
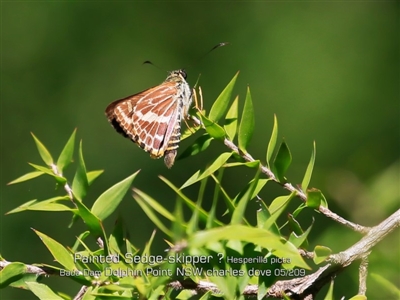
x: 182, y: 73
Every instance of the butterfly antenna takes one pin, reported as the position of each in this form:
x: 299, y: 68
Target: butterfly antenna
x: 208, y: 52
x: 148, y: 62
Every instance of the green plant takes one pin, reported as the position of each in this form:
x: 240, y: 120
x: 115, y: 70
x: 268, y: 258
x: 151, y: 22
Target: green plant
x: 207, y: 257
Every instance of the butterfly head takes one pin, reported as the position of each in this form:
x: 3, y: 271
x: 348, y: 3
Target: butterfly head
x: 177, y: 76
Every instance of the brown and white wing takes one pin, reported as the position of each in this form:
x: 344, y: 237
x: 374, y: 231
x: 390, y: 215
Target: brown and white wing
x: 155, y: 117
x: 148, y: 118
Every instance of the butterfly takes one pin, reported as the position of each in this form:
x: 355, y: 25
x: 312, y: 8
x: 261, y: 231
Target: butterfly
x: 152, y: 118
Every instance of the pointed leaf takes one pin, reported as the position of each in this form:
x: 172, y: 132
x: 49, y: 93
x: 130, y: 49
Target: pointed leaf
x: 272, y: 142
x: 44, y: 205
x: 92, y: 222
x: 247, y: 123
x: 282, y: 161
x: 199, y: 145
x: 59, y: 179
x: 221, y: 104
x: 217, y: 164
x: 329, y: 293
x: 22, y: 207
x: 49, y: 205
x: 60, y: 254
x: 310, y: 167
x: 11, y: 273
x: 110, y: 199
x: 80, y: 183
x: 92, y: 175
x: 276, y: 208
x: 155, y: 205
x: 42, y: 169
x: 27, y: 176
x: 191, y: 204
x: 279, y: 203
x: 44, y: 153
x: 212, y: 128
x: 65, y: 157
x: 250, y: 164
x: 231, y: 120
x: 42, y: 291
x: 144, y: 202
x: 244, y: 197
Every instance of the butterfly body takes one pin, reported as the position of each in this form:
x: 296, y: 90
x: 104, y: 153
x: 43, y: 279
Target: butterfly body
x: 152, y: 118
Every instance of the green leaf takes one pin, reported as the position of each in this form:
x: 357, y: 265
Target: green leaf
x: 199, y: 145
x: 45, y: 170
x: 329, y: 293
x: 92, y: 222
x: 42, y: 291
x: 257, y: 236
x: 217, y: 164
x: 144, y: 202
x: 92, y: 175
x: 116, y: 240
x: 279, y: 203
x: 80, y: 183
x: 243, y: 199
x: 272, y: 142
x: 298, y: 237
x: 247, y: 123
x: 44, y: 205
x: 276, y: 208
x: 189, y: 131
x: 59, y: 179
x: 221, y: 104
x: 11, y: 273
x: 65, y: 157
x: 321, y: 253
x: 60, y: 254
x: 193, y: 224
x: 310, y: 167
x: 231, y: 120
x: 314, y: 198
x: 212, y: 128
x: 21, y: 281
x: 358, y: 297
x: 228, y: 201
x: 191, y: 204
x: 250, y: 164
x: 282, y: 161
x: 44, y: 153
x: 22, y: 207
x: 27, y: 176
x: 110, y: 199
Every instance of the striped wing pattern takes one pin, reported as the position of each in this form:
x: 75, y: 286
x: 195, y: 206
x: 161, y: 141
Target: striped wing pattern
x: 152, y: 118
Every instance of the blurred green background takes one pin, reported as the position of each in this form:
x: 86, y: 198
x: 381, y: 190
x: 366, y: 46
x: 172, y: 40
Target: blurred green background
x: 329, y: 71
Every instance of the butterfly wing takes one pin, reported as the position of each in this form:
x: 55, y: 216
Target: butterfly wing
x: 149, y: 118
